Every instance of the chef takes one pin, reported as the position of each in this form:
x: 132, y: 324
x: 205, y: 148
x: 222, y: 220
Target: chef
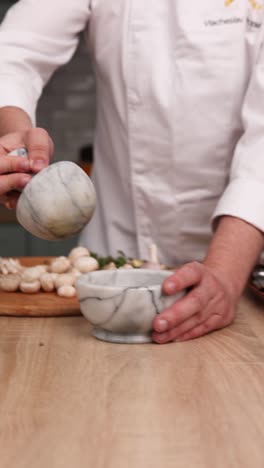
x: 179, y: 144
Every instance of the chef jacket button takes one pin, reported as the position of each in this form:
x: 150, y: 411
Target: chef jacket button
x: 133, y: 97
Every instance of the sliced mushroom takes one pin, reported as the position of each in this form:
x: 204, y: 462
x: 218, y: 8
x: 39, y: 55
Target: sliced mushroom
x: 10, y: 265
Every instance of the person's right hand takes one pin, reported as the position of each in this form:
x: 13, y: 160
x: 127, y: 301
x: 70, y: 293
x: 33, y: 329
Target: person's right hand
x: 14, y: 170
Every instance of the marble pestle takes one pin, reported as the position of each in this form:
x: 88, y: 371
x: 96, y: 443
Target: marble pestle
x: 58, y: 201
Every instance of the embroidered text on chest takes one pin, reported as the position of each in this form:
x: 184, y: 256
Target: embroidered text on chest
x: 254, y: 4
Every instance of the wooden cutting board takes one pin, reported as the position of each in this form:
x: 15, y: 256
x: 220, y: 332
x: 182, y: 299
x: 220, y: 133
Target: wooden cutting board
x: 41, y: 304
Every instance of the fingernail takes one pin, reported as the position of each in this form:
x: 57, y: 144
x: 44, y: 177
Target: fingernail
x: 162, y: 325
x: 171, y: 287
x: 161, y: 339
x: 38, y: 164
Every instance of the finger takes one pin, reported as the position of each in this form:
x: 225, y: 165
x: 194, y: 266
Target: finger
x: 3, y: 151
x: 13, y: 182
x: 11, y: 143
x: 214, y: 322
x: 171, y: 335
x: 186, y: 276
x: 12, y: 199
x: 39, y: 148
x: 3, y: 199
x: 9, y: 164
x: 194, y: 302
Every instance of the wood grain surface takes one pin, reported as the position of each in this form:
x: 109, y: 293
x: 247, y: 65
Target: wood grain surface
x: 70, y: 401
x: 41, y: 304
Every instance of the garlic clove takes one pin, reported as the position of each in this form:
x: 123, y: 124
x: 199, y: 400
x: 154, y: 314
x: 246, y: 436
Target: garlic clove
x: 10, y: 265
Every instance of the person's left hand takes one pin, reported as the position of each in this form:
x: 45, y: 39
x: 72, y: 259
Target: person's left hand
x: 210, y: 304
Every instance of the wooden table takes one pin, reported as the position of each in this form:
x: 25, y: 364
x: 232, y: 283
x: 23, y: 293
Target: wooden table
x: 70, y: 401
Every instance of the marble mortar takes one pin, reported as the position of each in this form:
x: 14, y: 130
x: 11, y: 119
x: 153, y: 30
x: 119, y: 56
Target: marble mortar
x: 121, y: 304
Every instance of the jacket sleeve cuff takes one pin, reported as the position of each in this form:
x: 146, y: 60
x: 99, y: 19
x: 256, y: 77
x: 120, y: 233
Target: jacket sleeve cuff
x: 19, y: 94
x: 244, y: 199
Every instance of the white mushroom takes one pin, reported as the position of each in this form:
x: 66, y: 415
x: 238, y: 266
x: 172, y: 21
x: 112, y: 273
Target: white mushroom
x: 66, y: 279
x: 32, y: 287
x: 60, y: 265
x: 42, y: 268
x: 31, y: 274
x: 127, y: 266
x: 66, y: 291
x: 78, y: 252
x: 86, y: 264
x: 47, y: 281
x: 9, y: 282
x: 75, y: 272
x: 10, y: 265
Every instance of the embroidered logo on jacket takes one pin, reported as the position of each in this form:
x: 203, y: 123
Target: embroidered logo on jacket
x: 254, y: 4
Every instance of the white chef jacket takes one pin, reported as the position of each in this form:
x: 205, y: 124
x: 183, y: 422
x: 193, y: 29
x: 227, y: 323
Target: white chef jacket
x: 180, y: 112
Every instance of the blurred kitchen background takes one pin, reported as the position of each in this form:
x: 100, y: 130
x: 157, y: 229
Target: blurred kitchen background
x: 67, y: 111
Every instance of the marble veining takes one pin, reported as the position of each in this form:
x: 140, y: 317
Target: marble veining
x: 122, y: 304
x: 58, y: 202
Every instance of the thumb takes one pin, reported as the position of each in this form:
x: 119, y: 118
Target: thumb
x: 40, y: 148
